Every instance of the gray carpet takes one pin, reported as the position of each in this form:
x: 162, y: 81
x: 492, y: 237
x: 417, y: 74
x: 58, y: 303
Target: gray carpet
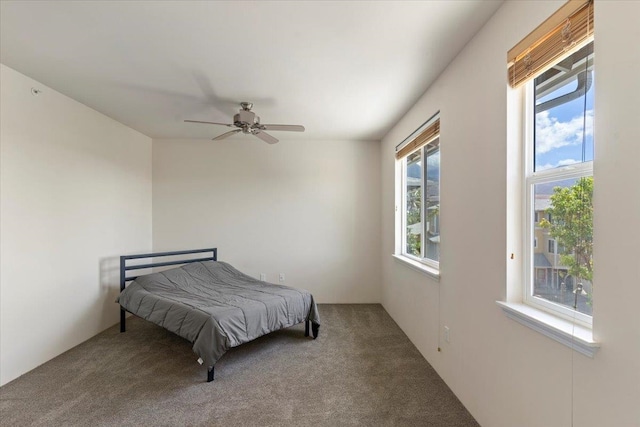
x: 362, y: 370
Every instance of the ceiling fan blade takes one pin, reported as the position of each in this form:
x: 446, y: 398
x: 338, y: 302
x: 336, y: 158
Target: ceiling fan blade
x: 292, y: 128
x: 264, y: 136
x: 226, y: 134
x: 209, y: 123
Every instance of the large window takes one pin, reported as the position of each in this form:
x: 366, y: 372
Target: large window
x: 559, y: 186
x: 419, y: 225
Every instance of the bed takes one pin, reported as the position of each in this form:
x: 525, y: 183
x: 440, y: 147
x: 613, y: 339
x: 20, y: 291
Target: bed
x: 210, y: 303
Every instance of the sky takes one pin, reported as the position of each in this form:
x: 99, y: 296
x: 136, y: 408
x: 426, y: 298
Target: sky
x: 559, y: 131
x: 433, y: 168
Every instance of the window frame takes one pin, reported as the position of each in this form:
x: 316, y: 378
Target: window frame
x: 530, y: 179
x: 432, y: 266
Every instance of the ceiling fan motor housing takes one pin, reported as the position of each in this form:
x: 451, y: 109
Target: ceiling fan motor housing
x: 248, y: 123
x: 244, y: 118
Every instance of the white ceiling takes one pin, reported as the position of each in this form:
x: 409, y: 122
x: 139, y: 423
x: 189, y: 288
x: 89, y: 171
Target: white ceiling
x: 345, y: 70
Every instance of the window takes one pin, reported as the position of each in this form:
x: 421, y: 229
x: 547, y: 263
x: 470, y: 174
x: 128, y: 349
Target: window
x: 559, y: 186
x: 554, y: 67
x: 418, y: 160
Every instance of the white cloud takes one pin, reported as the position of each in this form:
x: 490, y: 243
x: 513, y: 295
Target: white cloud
x: 433, y: 160
x: 551, y: 133
x: 567, y: 162
x: 564, y: 162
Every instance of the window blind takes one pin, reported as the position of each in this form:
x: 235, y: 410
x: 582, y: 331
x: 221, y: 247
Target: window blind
x: 430, y: 133
x: 568, y: 27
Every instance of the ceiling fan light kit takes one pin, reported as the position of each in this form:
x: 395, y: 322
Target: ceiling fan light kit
x: 248, y: 122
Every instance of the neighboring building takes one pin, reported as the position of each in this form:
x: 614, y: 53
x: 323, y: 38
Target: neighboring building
x: 551, y: 278
x: 548, y: 272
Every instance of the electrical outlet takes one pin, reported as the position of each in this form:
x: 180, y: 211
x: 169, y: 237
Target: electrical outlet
x: 282, y: 277
x: 447, y: 335
x: 263, y: 277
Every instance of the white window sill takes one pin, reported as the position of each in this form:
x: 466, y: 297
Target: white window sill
x: 418, y: 266
x: 565, y: 332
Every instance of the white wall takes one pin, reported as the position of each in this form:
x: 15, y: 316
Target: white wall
x: 75, y: 193
x: 308, y: 209
x: 506, y: 374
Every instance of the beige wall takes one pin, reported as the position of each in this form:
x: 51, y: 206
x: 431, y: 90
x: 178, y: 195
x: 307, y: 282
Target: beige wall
x: 308, y: 209
x: 506, y: 374
x: 75, y: 190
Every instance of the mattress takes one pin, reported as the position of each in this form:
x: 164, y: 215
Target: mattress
x: 216, y: 307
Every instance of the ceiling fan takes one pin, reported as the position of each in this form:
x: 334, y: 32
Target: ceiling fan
x: 247, y: 122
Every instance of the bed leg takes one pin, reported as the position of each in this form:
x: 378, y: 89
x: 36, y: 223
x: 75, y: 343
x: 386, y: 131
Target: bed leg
x: 315, y: 328
x: 210, y: 375
x: 123, y: 320
x: 306, y: 328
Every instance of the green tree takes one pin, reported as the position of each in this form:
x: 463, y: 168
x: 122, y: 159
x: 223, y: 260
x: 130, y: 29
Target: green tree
x: 571, y: 225
x: 414, y: 208
x: 414, y: 216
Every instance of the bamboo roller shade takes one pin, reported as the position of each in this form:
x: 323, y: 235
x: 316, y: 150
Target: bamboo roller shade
x: 568, y: 27
x: 425, y: 137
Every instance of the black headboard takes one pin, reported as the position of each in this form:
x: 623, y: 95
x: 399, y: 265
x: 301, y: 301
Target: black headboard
x: 124, y: 268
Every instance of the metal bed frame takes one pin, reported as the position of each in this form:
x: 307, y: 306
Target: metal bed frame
x: 214, y: 257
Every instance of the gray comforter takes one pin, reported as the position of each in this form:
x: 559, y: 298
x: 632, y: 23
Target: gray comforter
x: 215, y: 306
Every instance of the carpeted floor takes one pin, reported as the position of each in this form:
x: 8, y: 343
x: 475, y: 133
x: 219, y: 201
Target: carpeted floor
x: 362, y: 370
